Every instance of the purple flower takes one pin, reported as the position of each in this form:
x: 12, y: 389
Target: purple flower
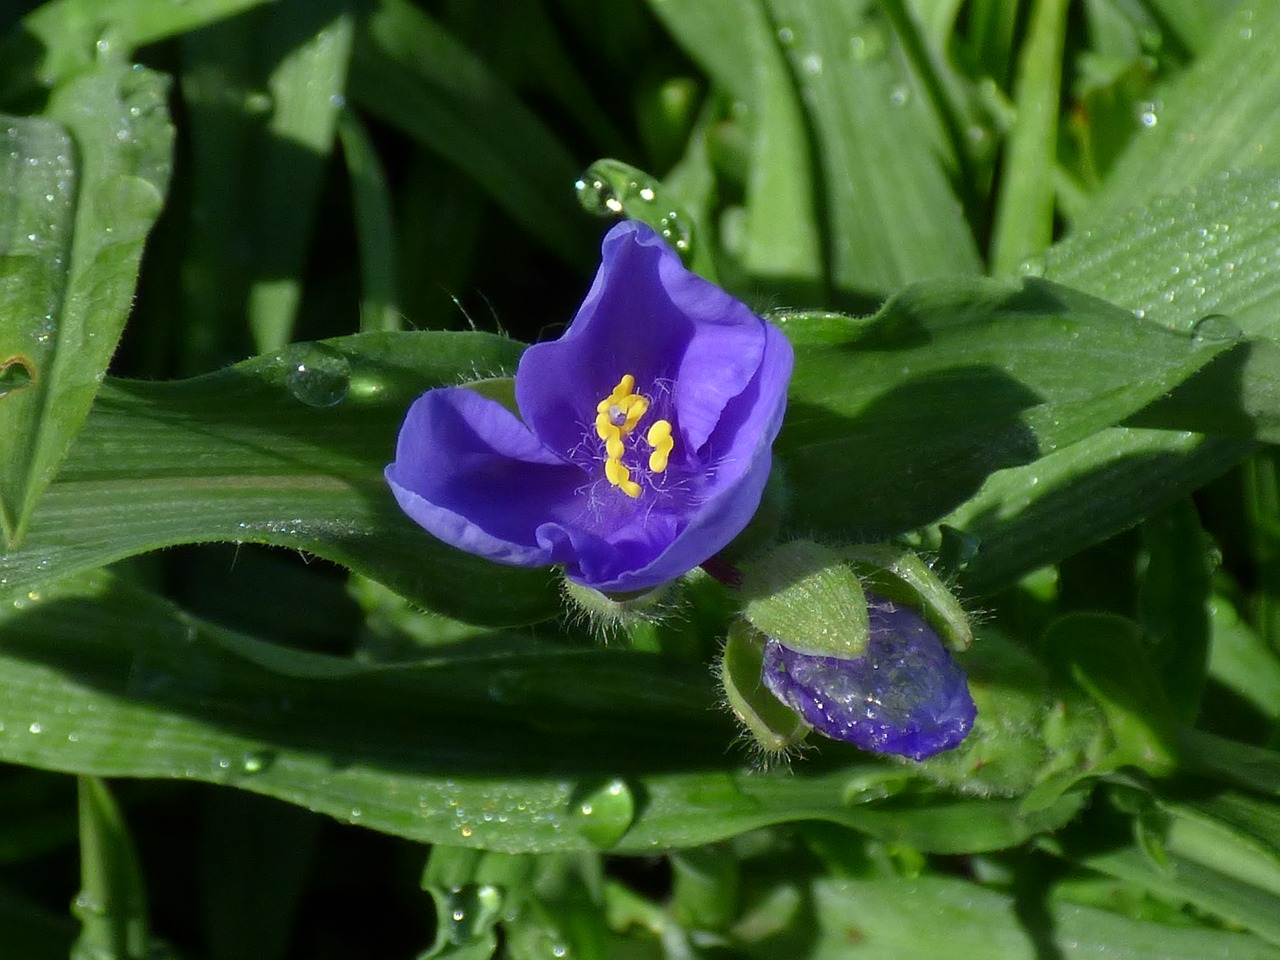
x: 644, y: 438
x: 906, y: 695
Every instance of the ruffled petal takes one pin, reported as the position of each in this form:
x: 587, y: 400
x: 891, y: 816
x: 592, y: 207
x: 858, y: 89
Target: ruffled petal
x: 473, y: 475
x: 667, y: 546
x: 645, y: 315
x: 906, y: 696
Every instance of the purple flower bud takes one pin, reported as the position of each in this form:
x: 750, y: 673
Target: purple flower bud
x: 905, y: 696
x: 644, y: 438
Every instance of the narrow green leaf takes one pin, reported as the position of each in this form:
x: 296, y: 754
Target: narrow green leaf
x: 490, y: 751
x: 1024, y: 208
x: 306, y: 89
x: 1230, y: 761
x: 1104, y: 654
x: 112, y: 904
x: 285, y: 450
x: 1191, y: 882
x: 1174, y: 602
x: 1025, y: 517
x: 64, y: 37
x: 889, y: 918
x: 896, y: 419
x: 413, y: 74
x: 375, y: 227
x: 82, y: 190
x: 1242, y: 660
x: 1218, y: 115
x: 782, y: 243
x: 884, y: 157
x: 262, y: 93
x: 1233, y: 833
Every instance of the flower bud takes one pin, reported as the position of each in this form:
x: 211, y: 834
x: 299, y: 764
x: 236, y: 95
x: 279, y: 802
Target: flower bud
x: 869, y: 667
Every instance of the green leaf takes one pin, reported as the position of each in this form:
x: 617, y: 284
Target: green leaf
x: 1024, y: 209
x: 1216, y: 116
x: 262, y: 93
x: 112, y: 904
x: 1025, y: 517
x: 375, y: 227
x: 411, y: 73
x: 64, y: 37
x: 1174, y: 601
x: 1105, y: 656
x: 1230, y: 761
x: 883, y: 918
x: 491, y: 751
x: 1242, y: 660
x: 1189, y: 881
x: 881, y: 148
x: 82, y: 189
x: 285, y: 450
x: 896, y: 419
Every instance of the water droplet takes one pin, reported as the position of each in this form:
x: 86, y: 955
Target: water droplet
x: 1216, y: 328
x: 318, y: 375
x: 786, y: 36
x: 595, y: 195
x: 604, y: 814
x: 36, y: 728
x: 255, y: 761
x: 868, y: 44
x: 812, y: 63
x: 900, y: 95
x: 470, y: 910
x: 15, y: 373
x: 1033, y: 266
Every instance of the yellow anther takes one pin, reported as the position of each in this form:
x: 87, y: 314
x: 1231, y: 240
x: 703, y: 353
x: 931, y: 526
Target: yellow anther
x: 620, y: 393
x: 659, y: 437
x: 635, y: 409
x: 605, y: 428
x: 617, y: 416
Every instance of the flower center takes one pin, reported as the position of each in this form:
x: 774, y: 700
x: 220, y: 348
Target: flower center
x: 617, y: 417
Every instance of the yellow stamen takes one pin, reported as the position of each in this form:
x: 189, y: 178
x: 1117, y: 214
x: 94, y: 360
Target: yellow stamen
x: 620, y: 477
x: 617, y: 417
x: 659, y: 437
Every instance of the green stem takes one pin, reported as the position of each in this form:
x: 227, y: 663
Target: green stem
x: 111, y: 905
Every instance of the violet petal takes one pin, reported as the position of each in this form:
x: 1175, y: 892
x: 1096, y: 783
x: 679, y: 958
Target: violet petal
x: 472, y: 474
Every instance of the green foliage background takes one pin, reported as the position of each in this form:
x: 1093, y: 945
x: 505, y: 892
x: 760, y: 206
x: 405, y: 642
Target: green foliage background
x: 1029, y: 258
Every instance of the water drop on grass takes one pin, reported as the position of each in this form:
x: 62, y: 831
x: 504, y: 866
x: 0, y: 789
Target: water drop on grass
x: 604, y: 814
x: 15, y: 373
x: 1216, y: 328
x: 319, y: 376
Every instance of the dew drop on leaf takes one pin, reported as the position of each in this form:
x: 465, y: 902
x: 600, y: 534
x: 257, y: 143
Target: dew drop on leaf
x: 15, y: 373
x: 1215, y: 328
x: 603, y: 815
x: 318, y: 375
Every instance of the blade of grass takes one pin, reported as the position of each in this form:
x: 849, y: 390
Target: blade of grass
x: 1024, y: 209
x: 375, y: 227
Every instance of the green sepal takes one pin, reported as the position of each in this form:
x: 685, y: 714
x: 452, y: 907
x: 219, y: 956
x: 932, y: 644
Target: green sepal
x: 774, y: 726
x: 897, y: 574
x: 808, y: 597
x: 608, y: 614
